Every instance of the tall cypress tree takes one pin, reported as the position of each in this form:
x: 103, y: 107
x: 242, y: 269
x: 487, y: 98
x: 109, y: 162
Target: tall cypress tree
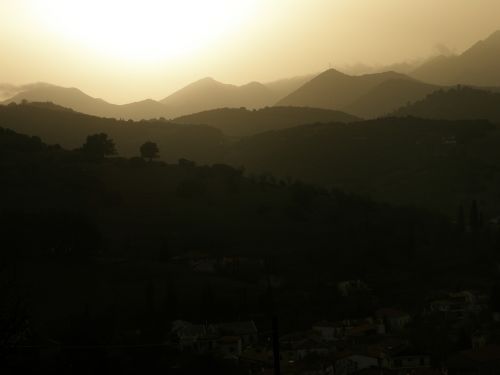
x: 474, y: 216
x: 461, y: 219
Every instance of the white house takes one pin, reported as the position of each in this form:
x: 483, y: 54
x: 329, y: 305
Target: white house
x: 394, y: 320
x: 349, y: 287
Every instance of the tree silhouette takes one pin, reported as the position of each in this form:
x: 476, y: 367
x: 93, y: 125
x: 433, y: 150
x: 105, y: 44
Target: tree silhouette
x: 150, y: 150
x: 474, y: 216
x: 207, y: 303
x: 171, y: 301
x: 461, y: 219
x: 99, y: 146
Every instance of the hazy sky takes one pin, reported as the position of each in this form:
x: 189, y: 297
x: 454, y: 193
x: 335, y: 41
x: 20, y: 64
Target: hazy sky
x: 125, y: 50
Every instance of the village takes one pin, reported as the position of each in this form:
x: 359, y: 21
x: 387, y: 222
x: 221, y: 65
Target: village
x: 385, y: 342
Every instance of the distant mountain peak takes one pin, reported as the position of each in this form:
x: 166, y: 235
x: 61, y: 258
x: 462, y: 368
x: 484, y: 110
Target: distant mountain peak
x: 207, y: 93
x: 494, y: 37
x: 477, y: 66
x: 333, y: 72
x: 335, y: 90
x: 253, y: 84
x: 207, y: 79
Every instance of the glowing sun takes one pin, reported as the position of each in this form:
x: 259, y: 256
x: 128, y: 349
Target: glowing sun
x: 143, y: 30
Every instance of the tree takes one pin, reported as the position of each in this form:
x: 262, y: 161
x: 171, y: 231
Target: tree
x: 461, y: 220
x: 474, y: 216
x: 150, y: 150
x: 99, y: 146
x: 207, y: 304
x: 171, y: 300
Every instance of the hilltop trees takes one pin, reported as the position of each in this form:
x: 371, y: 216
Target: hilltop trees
x: 150, y: 150
x: 98, y: 146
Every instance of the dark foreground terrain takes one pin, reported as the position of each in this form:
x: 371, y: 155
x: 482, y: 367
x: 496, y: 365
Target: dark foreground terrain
x: 178, y: 264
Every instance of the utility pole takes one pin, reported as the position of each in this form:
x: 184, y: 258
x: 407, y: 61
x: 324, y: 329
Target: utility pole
x: 276, y: 346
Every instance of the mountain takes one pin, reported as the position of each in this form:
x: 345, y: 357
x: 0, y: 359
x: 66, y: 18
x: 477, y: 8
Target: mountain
x: 405, y: 67
x: 284, y: 87
x: 207, y: 94
x: 238, y: 122
x: 79, y: 101
x: 460, y: 103
x: 335, y: 90
x: 7, y: 91
x: 426, y: 163
x: 477, y: 66
x: 389, y: 96
x: 68, y: 128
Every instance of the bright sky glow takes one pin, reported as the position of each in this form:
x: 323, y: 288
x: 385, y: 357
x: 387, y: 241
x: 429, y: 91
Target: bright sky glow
x: 129, y: 50
x: 143, y: 30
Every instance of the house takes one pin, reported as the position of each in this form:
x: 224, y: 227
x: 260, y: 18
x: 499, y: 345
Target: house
x: 198, y: 261
x: 229, y: 346
x: 246, y: 330
x: 408, y: 359
x: 479, y: 339
x: 394, y: 320
x: 300, y: 345
x: 349, y: 287
x: 272, y: 281
x: 449, y: 140
x: 460, y: 304
x: 313, y: 368
x: 397, y: 354
x: 348, y: 363
x: 226, y: 339
x: 367, y: 328
x: 196, y: 337
x: 332, y: 331
x: 341, y: 363
x: 238, y: 263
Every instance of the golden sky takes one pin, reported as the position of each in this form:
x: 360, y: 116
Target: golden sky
x: 126, y: 50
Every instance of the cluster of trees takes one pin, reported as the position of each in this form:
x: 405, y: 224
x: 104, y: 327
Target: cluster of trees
x: 57, y: 125
x: 101, y: 145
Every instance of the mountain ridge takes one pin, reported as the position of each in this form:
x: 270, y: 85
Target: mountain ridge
x: 458, y: 103
x: 76, y: 99
x: 238, y: 122
x: 333, y: 89
x: 207, y: 93
x: 478, y: 65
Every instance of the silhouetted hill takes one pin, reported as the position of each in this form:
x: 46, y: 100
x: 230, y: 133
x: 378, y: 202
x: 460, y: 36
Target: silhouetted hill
x: 240, y: 122
x: 284, y: 87
x: 433, y: 164
x: 335, y: 90
x: 75, y: 99
x: 112, y: 251
x: 429, y: 163
x: 111, y: 229
x: 389, y: 96
x: 207, y: 94
x: 70, y: 129
x: 461, y: 103
x: 477, y: 66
